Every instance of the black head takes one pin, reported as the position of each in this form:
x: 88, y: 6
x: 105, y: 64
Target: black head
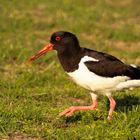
x: 61, y: 41
x: 64, y: 41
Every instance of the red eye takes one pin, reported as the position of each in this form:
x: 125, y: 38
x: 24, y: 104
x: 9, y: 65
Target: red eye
x: 57, y: 38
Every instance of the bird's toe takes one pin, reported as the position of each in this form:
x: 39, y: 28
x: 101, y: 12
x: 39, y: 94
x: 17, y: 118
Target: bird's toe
x: 68, y: 112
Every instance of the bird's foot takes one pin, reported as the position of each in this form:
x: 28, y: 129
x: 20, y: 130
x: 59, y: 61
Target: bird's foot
x: 112, y: 107
x: 109, y: 118
x: 70, y: 111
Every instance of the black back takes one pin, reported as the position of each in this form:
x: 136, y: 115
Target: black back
x: 110, y: 66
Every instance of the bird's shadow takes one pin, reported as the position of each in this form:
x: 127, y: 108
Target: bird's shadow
x: 81, y: 116
x: 126, y: 103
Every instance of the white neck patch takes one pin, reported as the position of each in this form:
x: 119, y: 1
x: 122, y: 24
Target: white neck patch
x: 133, y: 65
x: 87, y: 58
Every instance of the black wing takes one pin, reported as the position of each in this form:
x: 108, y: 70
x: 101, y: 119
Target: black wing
x: 110, y: 66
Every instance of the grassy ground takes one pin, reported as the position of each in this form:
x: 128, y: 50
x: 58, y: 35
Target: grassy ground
x: 32, y: 95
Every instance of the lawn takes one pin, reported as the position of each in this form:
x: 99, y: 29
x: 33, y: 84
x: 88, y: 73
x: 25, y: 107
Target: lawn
x: 33, y: 94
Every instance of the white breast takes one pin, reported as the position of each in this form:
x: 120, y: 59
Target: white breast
x: 89, y: 80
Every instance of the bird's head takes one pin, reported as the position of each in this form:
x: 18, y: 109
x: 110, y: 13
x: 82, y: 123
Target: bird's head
x: 59, y: 41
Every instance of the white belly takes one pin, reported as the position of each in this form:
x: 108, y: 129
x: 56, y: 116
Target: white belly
x: 94, y: 82
x: 89, y: 80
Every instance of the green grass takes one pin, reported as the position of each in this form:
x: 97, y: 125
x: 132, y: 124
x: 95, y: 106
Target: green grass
x: 33, y: 94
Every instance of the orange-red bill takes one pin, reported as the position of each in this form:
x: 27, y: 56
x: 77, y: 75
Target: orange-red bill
x: 46, y: 49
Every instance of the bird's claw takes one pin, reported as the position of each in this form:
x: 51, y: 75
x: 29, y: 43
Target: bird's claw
x: 69, y: 111
x: 109, y: 118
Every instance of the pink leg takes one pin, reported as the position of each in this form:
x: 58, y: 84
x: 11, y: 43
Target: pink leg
x: 112, y: 107
x: 72, y: 109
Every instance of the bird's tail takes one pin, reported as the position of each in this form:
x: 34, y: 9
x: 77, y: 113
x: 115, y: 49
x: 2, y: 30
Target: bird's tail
x: 128, y: 84
x: 136, y: 70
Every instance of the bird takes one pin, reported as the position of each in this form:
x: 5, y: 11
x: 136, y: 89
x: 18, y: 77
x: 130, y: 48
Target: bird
x: 98, y: 72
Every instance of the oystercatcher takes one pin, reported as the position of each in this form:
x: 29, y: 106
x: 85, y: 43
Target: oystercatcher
x: 98, y: 72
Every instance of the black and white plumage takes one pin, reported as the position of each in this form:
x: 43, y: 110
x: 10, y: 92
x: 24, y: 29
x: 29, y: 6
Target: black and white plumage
x: 98, y: 72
